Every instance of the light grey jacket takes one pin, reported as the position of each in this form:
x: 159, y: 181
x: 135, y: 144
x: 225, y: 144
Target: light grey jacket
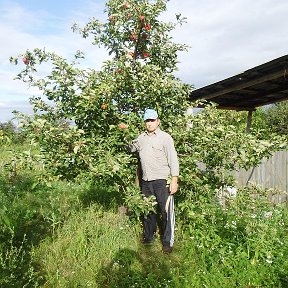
x: 157, y: 155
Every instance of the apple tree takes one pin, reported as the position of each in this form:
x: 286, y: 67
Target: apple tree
x: 92, y: 114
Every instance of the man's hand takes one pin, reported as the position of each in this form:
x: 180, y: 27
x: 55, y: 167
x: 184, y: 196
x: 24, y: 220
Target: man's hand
x: 173, y: 185
x: 133, y: 147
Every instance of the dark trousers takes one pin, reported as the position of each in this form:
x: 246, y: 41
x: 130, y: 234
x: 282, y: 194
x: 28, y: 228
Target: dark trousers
x: 159, y: 189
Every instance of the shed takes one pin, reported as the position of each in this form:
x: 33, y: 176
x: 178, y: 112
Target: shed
x: 258, y: 86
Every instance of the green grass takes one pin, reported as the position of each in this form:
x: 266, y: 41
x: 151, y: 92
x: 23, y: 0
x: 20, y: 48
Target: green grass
x: 72, y: 235
x: 97, y: 248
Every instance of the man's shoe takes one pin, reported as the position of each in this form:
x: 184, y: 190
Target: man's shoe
x: 167, y: 249
x: 147, y: 242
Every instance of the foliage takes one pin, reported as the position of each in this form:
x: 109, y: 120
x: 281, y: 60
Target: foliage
x: 105, y: 106
x: 15, y: 266
x: 210, y: 149
x: 267, y: 122
x: 243, y: 243
x: 75, y: 236
x: 96, y: 113
x: 9, y: 134
x: 276, y: 118
x: 137, y: 204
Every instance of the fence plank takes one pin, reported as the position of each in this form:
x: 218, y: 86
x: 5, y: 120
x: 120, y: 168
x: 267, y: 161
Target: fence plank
x: 271, y: 173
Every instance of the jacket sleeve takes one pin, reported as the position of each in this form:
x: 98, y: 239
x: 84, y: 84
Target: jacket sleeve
x: 172, y: 157
x: 134, y: 146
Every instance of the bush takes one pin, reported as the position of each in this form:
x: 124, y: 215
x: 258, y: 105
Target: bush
x: 242, y: 244
x: 10, y: 134
x: 277, y: 118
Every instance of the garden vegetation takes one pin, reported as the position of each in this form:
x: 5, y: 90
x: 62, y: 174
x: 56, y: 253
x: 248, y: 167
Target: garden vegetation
x: 70, y: 209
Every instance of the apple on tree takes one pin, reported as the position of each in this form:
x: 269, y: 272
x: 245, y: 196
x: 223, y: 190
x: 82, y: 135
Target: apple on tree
x: 146, y: 55
x: 126, y: 5
x: 25, y: 60
x: 147, y: 27
x: 122, y: 126
x: 104, y: 106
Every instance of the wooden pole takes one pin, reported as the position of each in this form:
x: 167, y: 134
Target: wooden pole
x: 249, y: 121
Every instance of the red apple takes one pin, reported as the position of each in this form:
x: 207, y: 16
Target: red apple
x: 25, y: 60
x: 122, y: 126
x: 104, y: 106
x: 133, y: 37
x: 126, y: 5
x: 119, y: 71
x: 146, y: 55
x: 142, y: 18
x: 147, y: 27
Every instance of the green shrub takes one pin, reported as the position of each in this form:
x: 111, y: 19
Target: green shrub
x: 241, y: 245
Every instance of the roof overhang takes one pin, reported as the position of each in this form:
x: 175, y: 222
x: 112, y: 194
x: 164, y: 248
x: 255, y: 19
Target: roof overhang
x: 259, y: 86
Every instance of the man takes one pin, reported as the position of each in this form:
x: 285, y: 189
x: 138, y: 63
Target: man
x: 159, y: 161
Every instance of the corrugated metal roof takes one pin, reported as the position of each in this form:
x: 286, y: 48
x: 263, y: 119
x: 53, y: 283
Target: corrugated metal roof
x: 261, y: 85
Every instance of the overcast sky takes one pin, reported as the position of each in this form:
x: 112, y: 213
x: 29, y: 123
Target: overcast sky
x: 226, y: 37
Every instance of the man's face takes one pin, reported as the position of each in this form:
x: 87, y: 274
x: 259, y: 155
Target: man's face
x: 152, y: 124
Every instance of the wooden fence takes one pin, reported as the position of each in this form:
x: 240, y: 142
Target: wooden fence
x: 271, y: 173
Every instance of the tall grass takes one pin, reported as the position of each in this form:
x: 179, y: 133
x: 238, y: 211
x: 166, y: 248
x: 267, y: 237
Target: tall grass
x: 72, y: 235
x: 97, y: 248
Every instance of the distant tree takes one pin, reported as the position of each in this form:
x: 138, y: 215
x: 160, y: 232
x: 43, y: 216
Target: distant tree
x: 276, y: 118
x: 8, y: 127
x: 7, y: 131
x: 10, y: 133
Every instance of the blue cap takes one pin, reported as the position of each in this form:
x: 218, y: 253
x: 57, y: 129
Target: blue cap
x: 150, y: 114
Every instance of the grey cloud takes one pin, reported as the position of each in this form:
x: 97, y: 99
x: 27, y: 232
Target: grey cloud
x: 228, y: 37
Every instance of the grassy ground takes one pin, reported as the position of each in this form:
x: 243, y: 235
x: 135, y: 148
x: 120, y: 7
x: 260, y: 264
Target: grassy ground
x: 72, y: 235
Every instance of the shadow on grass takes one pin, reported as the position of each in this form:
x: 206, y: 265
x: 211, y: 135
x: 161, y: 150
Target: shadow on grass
x: 283, y: 279
x: 147, y: 267
x: 107, y: 197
